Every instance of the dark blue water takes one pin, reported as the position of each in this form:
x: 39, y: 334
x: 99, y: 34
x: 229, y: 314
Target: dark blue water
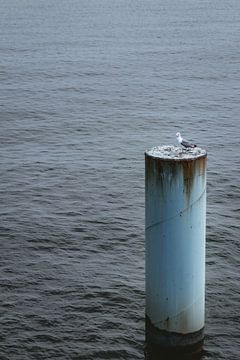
x: 85, y: 88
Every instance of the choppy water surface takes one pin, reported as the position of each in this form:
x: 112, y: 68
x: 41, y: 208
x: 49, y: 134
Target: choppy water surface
x: 86, y: 87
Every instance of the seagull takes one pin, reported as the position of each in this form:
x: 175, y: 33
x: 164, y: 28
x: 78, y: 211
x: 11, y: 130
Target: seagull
x: 184, y: 142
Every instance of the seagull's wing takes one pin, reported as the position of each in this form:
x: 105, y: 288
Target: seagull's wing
x: 187, y: 144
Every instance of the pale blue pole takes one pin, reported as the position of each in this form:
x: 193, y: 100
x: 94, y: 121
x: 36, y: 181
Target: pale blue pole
x: 175, y: 246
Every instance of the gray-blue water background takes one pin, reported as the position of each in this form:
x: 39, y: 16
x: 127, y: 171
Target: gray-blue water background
x: 85, y: 88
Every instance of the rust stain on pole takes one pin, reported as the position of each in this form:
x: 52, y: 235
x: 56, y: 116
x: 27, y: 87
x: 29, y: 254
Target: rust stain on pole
x: 168, y: 167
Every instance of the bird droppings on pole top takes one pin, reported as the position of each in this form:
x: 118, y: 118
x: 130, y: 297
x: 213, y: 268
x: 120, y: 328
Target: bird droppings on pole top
x: 170, y: 152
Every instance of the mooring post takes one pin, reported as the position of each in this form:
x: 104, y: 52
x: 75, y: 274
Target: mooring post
x: 175, y: 247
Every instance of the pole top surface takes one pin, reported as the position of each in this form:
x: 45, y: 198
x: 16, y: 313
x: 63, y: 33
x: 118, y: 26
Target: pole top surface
x: 175, y: 153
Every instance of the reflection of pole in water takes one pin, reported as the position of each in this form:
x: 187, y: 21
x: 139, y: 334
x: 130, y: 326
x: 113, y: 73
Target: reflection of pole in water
x: 154, y: 353
x: 175, y: 248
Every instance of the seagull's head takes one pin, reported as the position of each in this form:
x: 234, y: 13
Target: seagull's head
x: 178, y: 135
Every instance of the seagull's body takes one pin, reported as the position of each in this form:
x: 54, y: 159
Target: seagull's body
x: 184, y: 143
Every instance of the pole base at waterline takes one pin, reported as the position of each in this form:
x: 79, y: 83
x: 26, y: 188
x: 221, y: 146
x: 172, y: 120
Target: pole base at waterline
x: 162, y: 344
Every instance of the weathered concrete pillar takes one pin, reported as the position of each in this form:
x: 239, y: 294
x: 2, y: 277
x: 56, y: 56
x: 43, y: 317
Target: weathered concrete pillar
x: 175, y: 246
